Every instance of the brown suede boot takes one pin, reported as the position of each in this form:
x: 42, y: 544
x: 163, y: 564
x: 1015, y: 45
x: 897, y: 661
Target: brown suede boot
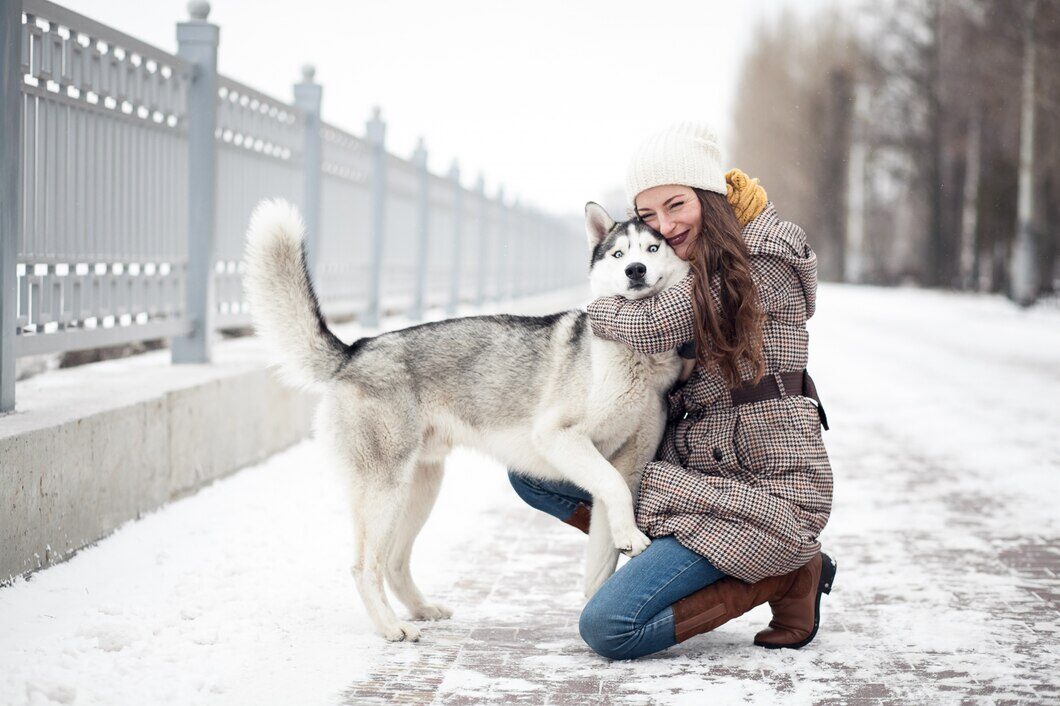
x: 580, y: 517
x: 797, y: 612
x: 721, y: 601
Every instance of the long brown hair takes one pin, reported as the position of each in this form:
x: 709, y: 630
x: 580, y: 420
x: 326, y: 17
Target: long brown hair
x: 729, y: 328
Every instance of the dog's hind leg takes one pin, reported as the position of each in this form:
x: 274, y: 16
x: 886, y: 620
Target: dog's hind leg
x: 380, y: 507
x: 423, y: 491
x: 601, y: 557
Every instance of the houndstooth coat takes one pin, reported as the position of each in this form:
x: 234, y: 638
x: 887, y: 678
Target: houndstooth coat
x: 748, y: 487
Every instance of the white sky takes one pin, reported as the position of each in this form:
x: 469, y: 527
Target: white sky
x: 548, y: 98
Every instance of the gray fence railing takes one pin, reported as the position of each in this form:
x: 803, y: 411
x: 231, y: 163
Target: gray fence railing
x: 128, y: 175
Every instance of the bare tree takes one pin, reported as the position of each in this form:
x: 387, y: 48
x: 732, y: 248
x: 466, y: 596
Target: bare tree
x: 924, y: 179
x: 792, y: 125
x: 1024, y: 270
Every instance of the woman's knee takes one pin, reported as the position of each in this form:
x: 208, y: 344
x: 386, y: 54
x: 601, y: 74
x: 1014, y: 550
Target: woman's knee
x: 525, y: 488
x: 605, y: 629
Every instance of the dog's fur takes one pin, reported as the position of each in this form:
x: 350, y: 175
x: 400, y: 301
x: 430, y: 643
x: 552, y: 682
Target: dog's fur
x: 540, y: 394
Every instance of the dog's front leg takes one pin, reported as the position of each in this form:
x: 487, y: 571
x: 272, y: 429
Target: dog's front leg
x: 578, y: 459
x: 601, y: 557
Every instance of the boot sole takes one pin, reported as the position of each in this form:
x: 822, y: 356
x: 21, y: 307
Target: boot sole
x: 824, y: 585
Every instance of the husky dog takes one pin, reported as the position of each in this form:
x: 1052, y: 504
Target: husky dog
x: 540, y: 394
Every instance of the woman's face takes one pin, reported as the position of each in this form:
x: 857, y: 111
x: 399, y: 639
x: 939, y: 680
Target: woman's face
x: 673, y: 211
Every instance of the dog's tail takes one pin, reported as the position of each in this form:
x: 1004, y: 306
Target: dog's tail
x: 283, y: 305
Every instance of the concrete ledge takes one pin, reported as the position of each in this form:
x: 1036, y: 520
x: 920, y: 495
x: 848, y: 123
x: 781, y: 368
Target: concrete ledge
x: 91, y: 447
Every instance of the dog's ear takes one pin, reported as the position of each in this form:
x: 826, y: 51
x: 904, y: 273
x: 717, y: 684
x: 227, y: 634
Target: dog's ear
x: 597, y: 223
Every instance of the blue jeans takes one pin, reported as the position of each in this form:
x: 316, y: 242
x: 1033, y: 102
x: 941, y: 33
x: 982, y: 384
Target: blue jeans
x: 630, y: 616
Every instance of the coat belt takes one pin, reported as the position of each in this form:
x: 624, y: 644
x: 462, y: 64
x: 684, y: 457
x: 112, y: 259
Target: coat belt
x: 795, y: 383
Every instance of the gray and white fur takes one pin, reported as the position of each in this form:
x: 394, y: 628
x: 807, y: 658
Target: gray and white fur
x: 540, y: 394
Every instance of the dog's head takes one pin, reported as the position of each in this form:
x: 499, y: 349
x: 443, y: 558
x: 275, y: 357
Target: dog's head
x: 628, y: 258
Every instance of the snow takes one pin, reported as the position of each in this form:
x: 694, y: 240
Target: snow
x: 945, y: 449
x: 223, y: 597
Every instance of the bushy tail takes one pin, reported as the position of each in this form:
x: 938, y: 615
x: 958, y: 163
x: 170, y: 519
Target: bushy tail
x: 283, y: 305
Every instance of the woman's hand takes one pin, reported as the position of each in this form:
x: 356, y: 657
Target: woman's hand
x: 745, y: 195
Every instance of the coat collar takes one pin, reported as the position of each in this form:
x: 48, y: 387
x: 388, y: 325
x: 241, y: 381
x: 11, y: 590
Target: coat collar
x: 766, y: 235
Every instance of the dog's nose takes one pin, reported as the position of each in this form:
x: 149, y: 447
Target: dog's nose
x: 636, y: 271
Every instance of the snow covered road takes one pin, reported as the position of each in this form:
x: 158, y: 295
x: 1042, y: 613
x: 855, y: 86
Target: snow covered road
x: 945, y: 445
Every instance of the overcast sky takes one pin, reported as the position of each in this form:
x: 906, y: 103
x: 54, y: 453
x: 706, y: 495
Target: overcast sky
x: 548, y: 98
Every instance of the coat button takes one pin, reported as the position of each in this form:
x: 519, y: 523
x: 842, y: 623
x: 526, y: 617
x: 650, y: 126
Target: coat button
x: 717, y: 454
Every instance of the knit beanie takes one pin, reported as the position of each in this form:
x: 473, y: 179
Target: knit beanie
x: 686, y: 154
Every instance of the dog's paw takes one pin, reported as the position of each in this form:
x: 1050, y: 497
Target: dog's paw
x: 402, y: 631
x: 431, y: 611
x: 631, y: 543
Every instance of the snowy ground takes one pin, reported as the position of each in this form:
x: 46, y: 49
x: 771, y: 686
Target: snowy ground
x: 946, y: 451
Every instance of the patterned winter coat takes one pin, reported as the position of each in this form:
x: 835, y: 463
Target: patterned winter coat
x: 748, y: 487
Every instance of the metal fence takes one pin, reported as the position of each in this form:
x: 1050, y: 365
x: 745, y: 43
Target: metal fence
x: 129, y: 175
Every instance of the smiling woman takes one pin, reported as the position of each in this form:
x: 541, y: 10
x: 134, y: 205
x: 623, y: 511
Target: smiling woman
x: 741, y: 486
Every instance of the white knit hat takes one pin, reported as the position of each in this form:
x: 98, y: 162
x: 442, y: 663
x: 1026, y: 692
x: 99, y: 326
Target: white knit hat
x: 686, y: 154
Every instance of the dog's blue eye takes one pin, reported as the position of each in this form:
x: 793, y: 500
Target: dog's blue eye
x: 618, y: 253
x: 653, y: 248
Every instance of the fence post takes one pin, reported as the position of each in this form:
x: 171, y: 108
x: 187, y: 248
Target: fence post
x: 307, y: 96
x: 549, y: 245
x: 530, y: 251
x: 555, y: 279
x: 536, y: 255
x: 526, y: 250
x: 454, y: 277
x: 542, y: 259
x: 515, y: 252
x: 502, y: 246
x: 1023, y: 267
x: 544, y: 264
x: 197, y: 40
x: 423, y: 215
x: 483, y: 235
x: 375, y: 133
x: 10, y: 203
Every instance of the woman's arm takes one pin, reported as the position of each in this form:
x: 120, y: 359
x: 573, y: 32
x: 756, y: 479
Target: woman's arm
x: 652, y: 325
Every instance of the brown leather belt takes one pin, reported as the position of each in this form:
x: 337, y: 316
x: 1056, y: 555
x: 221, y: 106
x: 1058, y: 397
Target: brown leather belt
x: 795, y: 383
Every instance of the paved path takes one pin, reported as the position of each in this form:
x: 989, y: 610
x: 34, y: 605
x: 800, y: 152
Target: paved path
x: 945, y: 450
x: 912, y: 619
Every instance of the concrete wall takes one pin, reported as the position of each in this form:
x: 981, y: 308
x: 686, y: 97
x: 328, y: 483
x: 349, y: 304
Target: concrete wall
x: 89, y: 448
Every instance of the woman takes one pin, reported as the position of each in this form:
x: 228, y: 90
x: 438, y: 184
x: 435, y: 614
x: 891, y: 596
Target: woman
x: 741, y: 485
